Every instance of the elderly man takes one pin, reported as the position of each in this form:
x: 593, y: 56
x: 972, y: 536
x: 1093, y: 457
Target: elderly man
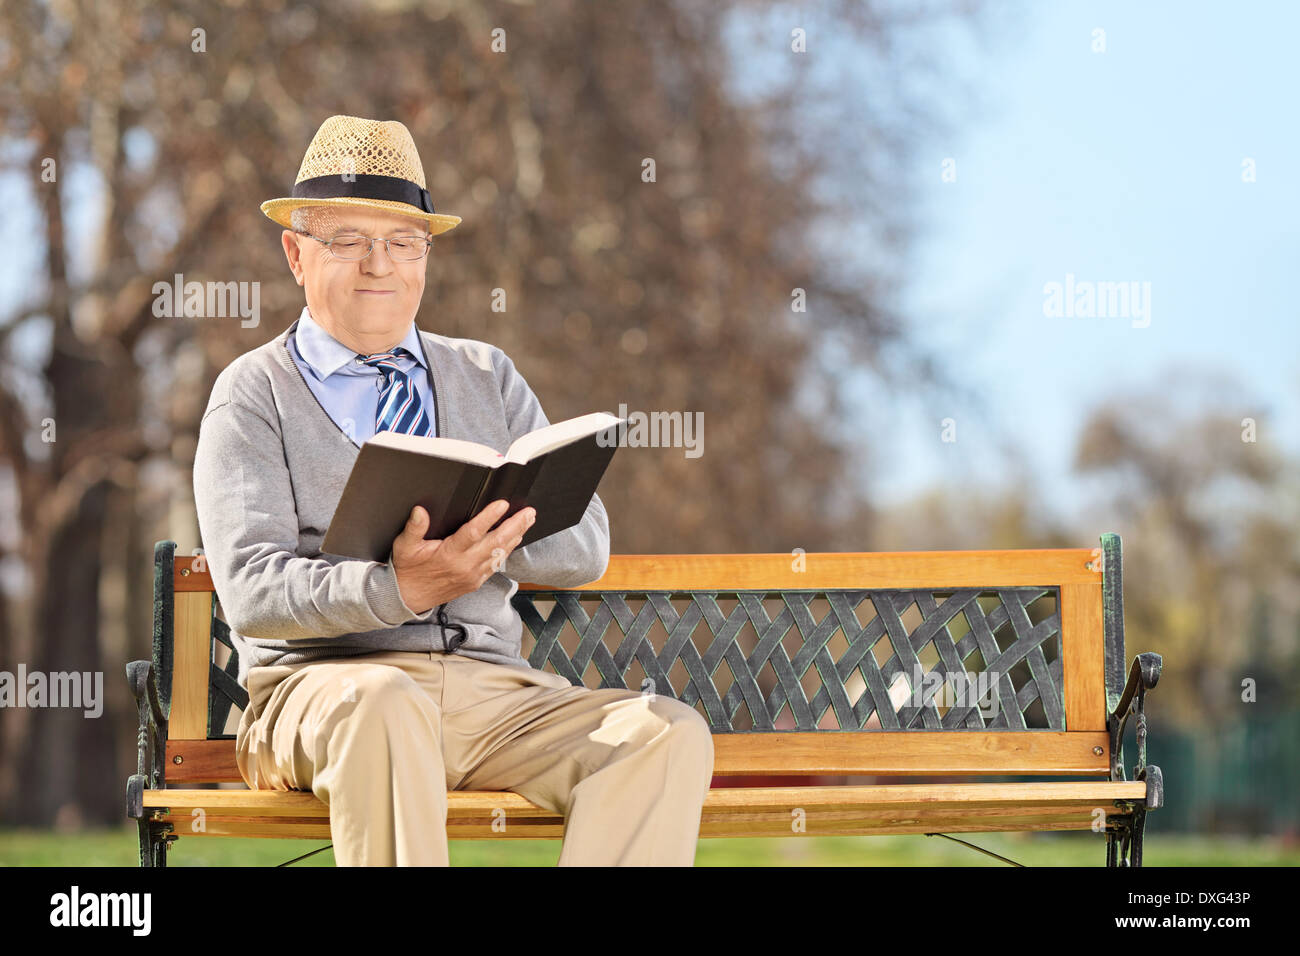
x: 380, y: 686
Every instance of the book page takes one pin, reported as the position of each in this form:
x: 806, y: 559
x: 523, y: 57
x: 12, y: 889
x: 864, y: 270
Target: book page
x: 561, y: 433
x: 456, y: 449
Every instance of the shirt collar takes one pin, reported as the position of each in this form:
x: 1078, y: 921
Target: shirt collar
x: 325, y: 354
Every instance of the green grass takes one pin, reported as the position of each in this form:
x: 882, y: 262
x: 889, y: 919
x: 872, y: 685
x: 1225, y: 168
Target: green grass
x: 113, y: 847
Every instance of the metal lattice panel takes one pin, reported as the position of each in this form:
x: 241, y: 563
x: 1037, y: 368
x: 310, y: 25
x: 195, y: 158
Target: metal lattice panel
x: 795, y: 670
x: 997, y: 650
x: 223, y: 684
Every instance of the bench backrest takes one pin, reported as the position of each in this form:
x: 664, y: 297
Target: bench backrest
x: 1021, y: 652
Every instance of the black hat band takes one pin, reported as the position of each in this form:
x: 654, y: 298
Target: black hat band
x: 364, y: 186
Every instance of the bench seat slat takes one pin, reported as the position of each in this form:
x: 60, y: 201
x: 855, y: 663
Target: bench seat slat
x: 553, y: 829
x: 758, y: 811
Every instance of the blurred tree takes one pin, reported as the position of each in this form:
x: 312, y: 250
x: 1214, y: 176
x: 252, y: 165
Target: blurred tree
x: 169, y: 124
x: 1189, y: 494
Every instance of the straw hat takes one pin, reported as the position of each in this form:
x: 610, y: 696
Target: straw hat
x: 361, y: 162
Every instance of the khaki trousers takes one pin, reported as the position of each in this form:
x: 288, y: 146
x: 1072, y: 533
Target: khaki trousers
x: 382, y: 737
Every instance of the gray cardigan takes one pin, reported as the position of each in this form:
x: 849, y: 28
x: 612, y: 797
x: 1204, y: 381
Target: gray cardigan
x: 269, y: 468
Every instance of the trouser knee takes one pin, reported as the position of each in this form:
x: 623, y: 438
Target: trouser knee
x: 687, y: 728
x: 384, y: 700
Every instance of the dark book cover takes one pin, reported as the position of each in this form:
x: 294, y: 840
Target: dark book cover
x: 554, y: 470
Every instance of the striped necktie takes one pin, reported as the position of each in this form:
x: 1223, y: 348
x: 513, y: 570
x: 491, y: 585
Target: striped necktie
x: 399, y: 408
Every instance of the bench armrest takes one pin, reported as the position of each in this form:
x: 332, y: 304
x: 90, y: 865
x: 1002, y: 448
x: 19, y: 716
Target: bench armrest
x: 1142, y: 677
x: 152, y: 739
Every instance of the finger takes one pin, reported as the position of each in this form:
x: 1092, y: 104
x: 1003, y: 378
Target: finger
x: 476, y: 527
x: 515, y: 528
x: 495, y: 560
x: 521, y: 522
x: 417, y: 523
x: 474, y: 531
x: 509, y: 547
x: 502, y: 553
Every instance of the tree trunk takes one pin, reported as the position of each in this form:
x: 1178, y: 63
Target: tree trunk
x: 66, y: 761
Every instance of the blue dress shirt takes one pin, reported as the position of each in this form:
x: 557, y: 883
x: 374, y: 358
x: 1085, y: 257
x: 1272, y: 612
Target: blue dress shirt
x: 347, y: 389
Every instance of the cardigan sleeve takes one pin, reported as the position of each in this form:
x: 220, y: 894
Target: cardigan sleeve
x: 249, y: 529
x: 576, y: 555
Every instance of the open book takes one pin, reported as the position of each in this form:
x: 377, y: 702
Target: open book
x: 555, y: 469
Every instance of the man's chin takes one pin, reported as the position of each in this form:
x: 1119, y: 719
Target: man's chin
x: 379, y: 311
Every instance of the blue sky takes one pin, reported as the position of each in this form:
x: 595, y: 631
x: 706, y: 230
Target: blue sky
x: 1115, y: 166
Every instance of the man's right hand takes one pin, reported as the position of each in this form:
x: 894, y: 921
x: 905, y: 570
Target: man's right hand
x: 442, y: 569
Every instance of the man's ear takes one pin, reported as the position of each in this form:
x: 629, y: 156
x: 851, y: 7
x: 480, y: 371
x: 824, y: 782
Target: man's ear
x: 292, y: 252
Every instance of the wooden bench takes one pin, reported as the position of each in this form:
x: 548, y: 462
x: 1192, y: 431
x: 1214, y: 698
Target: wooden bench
x: 803, y: 665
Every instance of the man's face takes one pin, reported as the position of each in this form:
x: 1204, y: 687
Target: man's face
x: 364, y: 300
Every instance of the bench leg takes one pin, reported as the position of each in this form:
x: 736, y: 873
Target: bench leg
x: 1139, y: 824
x: 1124, y: 844
x: 1118, y: 843
x: 1143, y: 676
x: 154, y: 835
x: 155, y: 839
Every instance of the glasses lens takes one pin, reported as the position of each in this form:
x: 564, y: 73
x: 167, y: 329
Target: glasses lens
x: 350, y: 247
x: 407, y: 248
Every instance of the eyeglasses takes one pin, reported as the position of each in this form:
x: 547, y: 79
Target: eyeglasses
x: 352, y: 248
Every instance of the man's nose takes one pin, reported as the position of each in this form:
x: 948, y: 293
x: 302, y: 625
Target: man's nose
x: 377, y: 263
